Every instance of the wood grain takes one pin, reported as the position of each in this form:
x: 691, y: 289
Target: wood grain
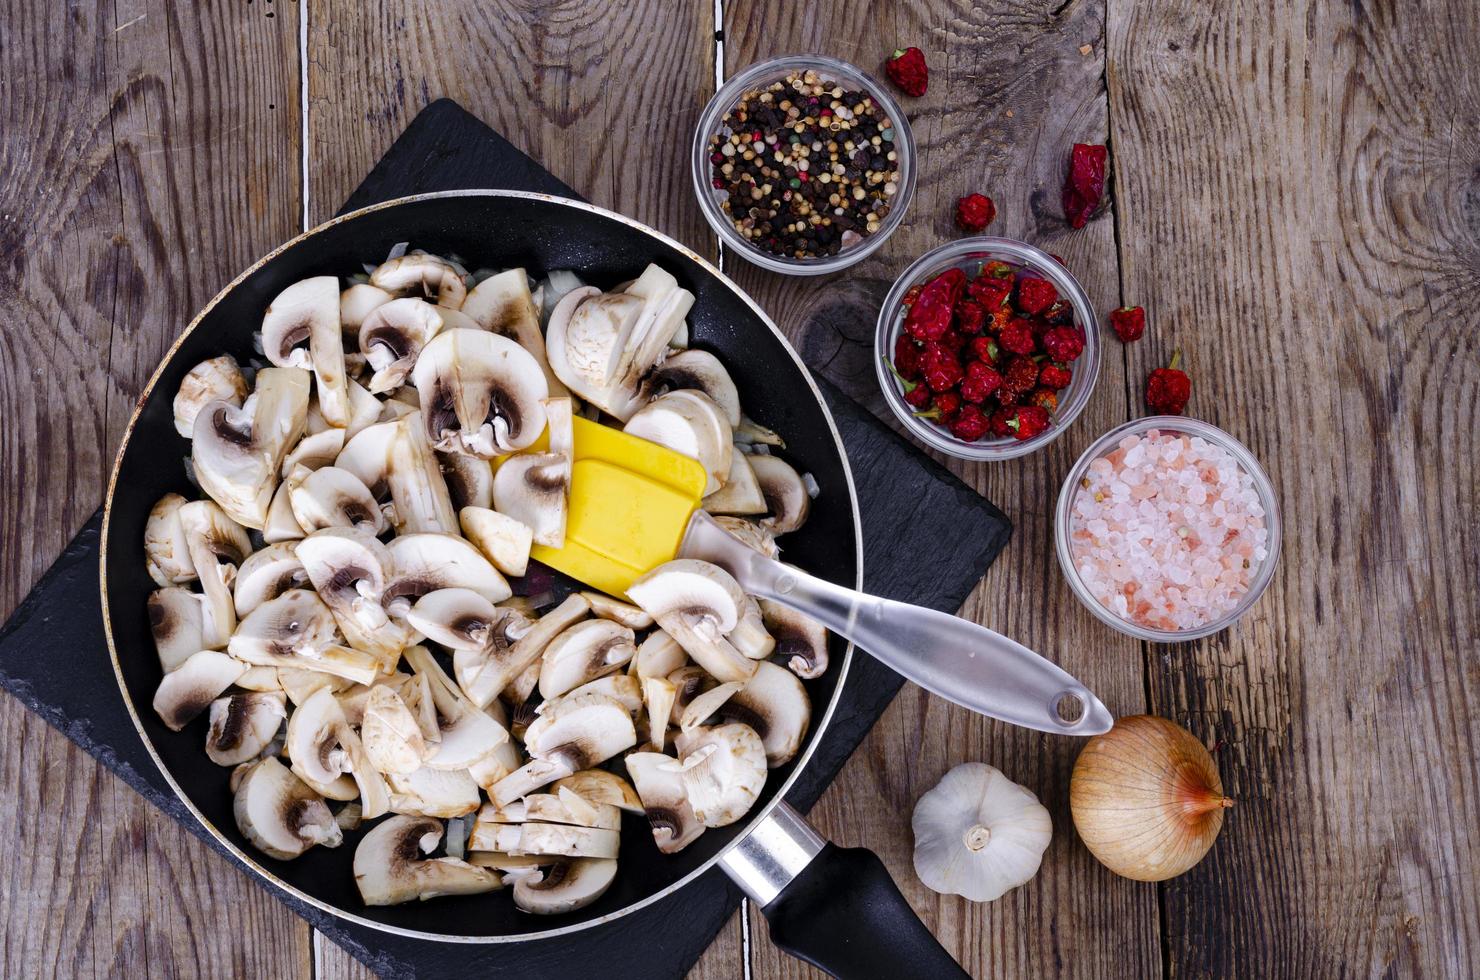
x: 1298, y: 209
x: 135, y: 179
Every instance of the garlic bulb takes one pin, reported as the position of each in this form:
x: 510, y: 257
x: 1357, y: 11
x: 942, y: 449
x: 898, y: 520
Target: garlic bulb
x: 1147, y: 799
x: 978, y: 834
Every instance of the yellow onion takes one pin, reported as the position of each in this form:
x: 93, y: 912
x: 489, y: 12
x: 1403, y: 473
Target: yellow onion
x: 1146, y: 798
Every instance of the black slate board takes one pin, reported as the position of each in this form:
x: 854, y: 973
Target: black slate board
x: 903, y: 496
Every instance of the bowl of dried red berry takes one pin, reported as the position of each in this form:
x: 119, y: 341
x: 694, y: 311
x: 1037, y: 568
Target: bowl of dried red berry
x: 987, y: 348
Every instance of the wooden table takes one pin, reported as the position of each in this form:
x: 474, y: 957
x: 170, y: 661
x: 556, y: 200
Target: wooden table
x: 1296, y: 204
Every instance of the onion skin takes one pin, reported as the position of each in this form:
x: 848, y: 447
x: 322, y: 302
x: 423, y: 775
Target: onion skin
x: 1146, y: 798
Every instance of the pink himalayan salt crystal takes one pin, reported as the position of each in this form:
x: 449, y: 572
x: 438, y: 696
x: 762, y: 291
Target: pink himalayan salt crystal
x: 1167, y: 531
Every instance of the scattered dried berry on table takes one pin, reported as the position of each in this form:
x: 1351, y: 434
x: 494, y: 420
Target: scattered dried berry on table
x: 1084, y: 187
x: 907, y: 69
x: 1168, y: 389
x: 974, y: 212
x: 1128, y: 322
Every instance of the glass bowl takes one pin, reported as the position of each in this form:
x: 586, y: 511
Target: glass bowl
x: 1063, y: 518
x: 758, y: 76
x: 967, y: 254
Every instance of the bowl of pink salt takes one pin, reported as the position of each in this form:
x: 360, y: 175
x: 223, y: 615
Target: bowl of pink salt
x: 1167, y: 529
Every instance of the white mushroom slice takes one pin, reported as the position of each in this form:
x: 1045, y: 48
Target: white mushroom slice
x: 417, y: 693
x: 420, y: 274
x: 689, y: 423
x: 560, y: 840
x: 265, y: 575
x: 392, y: 738
x: 480, y: 393
x: 617, y: 611
x: 601, y: 786
x: 658, y: 656
x: 583, y: 653
x: 559, y: 422
x: 689, y: 682
x: 308, y: 311
x: 350, y: 568
x: 176, y: 620
x: 389, y: 868
x: 281, y: 526
x: 297, y: 630
x: 217, y: 546
x: 664, y: 307
x: 424, y: 563
x: 356, y: 303
x: 432, y: 792
x: 459, y: 619
x: 503, y: 305
x: 190, y: 688
x: 486, y: 672
x: 261, y: 679
x: 300, y: 684
x: 242, y: 725
x: 800, y: 639
x: 775, y: 704
x: 749, y: 635
x: 625, y: 690
x: 786, y: 495
x: 504, y: 861
x: 314, y: 451
x: 216, y: 379
x: 658, y: 695
x: 469, y: 480
x: 166, y: 552
x: 364, y: 409
x: 533, y: 489
x: 570, y: 809
x: 582, y: 731
x: 280, y: 815
x: 565, y: 886
x: 236, y: 452
x: 352, y: 700
x: 417, y: 487
x: 750, y: 534
x: 502, y: 539
x: 741, y: 493
x: 393, y: 337
x: 322, y: 745
x: 522, y: 781
x: 468, y: 735
x: 751, y: 433
x: 723, y: 771
x: 331, y: 497
x: 697, y: 370
x: 587, y: 337
x: 664, y: 800
x: 367, y: 454
x: 498, y: 765
x: 697, y: 603
x: 702, y: 707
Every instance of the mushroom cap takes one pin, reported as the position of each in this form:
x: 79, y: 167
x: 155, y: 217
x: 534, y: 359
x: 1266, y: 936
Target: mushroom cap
x: 601, y: 786
x: 367, y: 454
x: 265, y: 575
x: 390, y: 867
x: 293, y: 317
x: 502, y: 304
x: 421, y: 274
x: 584, y: 652
x: 332, y: 497
x: 533, y: 489
x: 295, y: 623
x: 723, y: 771
x: 741, y: 493
x: 349, y: 568
x: 426, y: 562
x: 469, y: 480
x: 786, y: 495
x: 621, y: 688
x: 190, y: 688
x: 480, y: 393
x: 800, y: 639
x: 775, y: 704
x: 390, y: 733
x: 664, y: 306
x: 432, y: 792
x: 698, y: 370
x: 664, y: 800
x: 658, y: 656
x: 459, y: 619
x: 565, y: 886
x: 689, y: 423
x: 582, y: 731
x: 217, y: 546
x: 392, y: 337
x: 242, y: 725
x: 236, y: 452
x: 166, y: 552
x: 176, y: 621
x: 358, y: 302
x: 503, y: 540
x: 215, y: 379
x: 585, y: 341
x: 314, y: 739
x: 697, y: 603
x: 280, y: 815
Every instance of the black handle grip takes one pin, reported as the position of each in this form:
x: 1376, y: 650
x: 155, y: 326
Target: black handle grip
x: 844, y: 913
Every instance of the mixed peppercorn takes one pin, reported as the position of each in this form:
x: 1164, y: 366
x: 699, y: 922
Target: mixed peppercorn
x: 986, y: 354
x: 808, y: 166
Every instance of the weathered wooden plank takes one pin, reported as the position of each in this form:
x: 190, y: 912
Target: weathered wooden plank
x: 1297, y: 214
x: 134, y: 181
x: 1010, y: 92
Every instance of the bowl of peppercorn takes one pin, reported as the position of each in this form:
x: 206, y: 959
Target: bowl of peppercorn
x: 987, y: 348
x: 803, y: 164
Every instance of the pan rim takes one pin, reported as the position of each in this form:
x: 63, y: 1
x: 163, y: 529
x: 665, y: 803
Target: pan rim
x: 754, y: 819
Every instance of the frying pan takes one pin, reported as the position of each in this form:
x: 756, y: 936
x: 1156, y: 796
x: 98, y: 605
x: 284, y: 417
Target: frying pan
x: 835, y: 907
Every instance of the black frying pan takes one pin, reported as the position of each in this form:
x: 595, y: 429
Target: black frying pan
x: 874, y: 926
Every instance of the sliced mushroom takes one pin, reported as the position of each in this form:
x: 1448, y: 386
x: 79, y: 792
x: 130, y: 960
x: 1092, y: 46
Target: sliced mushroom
x: 487, y: 671
x: 751, y: 433
x: 560, y: 840
x: 390, y: 869
x: 526, y: 779
x: 364, y: 409
x: 502, y: 539
x: 297, y: 630
x: 664, y: 800
x: 418, y: 489
x: 621, y: 688
x: 217, y: 547
x: 314, y: 451
x: 532, y: 488
x: 581, y: 733
x: 568, y: 808
x: 331, y: 497
x: 601, y: 786
x: 300, y: 684
x: 322, y: 745
x: 190, y: 688
x: 786, y: 495
x: 775, y: 704
x: 177, y: 622
x: 424, y: 563
x: 741, y: 493
x: 749, y: 635
x: 281, y: 526
x: 216, y: 379
x: 350, y: 570
x: 697, y: 603
x: 393, y: 336
x: 583, y: 653
x: 751, y: 534
x: 166, y: 552
x: 658, y: 695
x: 467, y: 734
x: 689, y: 683
x: 698, y: 370
x: 308, y: 311
x: 367, y: 454
x: 280, y: 815
x: 658, y: 656
x: 260, y: 679
x: 480, y: 393
x: 242, y: 725
x: 617, y: 611
x: 504, y: 861
x: 432, y: 792
x: 800, y: 639
x: 586, y: 340
x: 565, y: 886
x: 689, y: 423
x: 265, y: 575
x: 459, y: 619
x: 237, y: 451
x: 702, y: 707
x: 420, y: 274
x: 469, y: 480
x: 356, y: 303
x: 503, y: 305
x: 392, y: 738
x: 723, y: 771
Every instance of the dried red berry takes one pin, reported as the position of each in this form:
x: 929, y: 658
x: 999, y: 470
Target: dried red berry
x: 1028, y: 421
x: 1055, y: 376
x: 906, y: 358
x: 906, y: 68
x: 1017, y: 337
x: 1035, y: 295
x: 1060, y: 314
x: 974, y: 212
x: 917, y: 396
x: 1021, y: 376
x: 979, y: 382
x: 1085, y: 185
x: 1168, y: 389
x: 911, y: 294
x: 989, y: 291
x: 1063, y: 344
x: 971, y: 316
x: 969, y: 424
x: 942, y: 369
x: 985, y: 349
x: 928, y: 319
x: 997, y: 270
x: 1044, y: 398
x: 997, y: 422
x: 1128, y: 322
x: 946, y: 405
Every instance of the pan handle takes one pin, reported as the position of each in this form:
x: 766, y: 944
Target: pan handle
x: 835, y: 907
